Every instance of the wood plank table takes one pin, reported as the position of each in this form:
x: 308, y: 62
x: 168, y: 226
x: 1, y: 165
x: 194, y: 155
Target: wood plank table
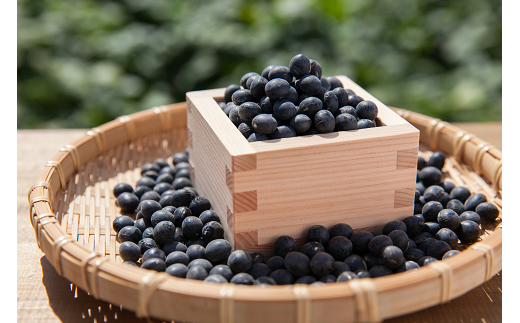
x: 45, y: 296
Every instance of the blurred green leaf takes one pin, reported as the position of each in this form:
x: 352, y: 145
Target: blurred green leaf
x: 81, y: 64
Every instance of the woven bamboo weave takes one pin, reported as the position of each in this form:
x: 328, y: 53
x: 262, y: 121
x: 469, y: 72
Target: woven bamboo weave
x: 72, y: 209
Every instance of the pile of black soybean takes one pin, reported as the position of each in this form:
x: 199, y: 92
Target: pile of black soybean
x: 284, y: 102
x: 176, y: 231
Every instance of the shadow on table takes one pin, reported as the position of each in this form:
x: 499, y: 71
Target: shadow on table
x: 71, y: 304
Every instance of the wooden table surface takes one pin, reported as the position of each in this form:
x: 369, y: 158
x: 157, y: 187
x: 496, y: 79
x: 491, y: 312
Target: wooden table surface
x: 44, y: 296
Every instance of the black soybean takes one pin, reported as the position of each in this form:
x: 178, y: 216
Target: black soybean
x: 145, y: 244
x: 360, y: 242
x: 282, y: 132
x: 264, y: 124
x: 201, y: 262
x: 283, y: 245
x: 241, y: 96
x: 257, y: 137
x: 230, y: 89
x: 365, y: 123
x: 215, y: 279
x: 372, y: 260
x: 434, y: 193
x: 348, y: 110
x: 310, y: 106
x: 196, y: 251
x: 121, y: 188
x: 450, y: 253
x: 174, y: 246
x: 153, y: 253
x: 297, y: 263
x: 340, y: 247
x: 437, y: 160
x: 145, y: 181
x: 448, y: 219
x: 418, y: 239
x: 394, y: 225
x: 345, y: 122
x: 156, y: 264
x: 275, y: 262
x: 392, y: 256
x: 456, y: 206
x: 322, y: 264
x: 468, y: 231
x: 324, y: 121
x: 264, y: 281
x: 129, y: 233
x: 432, y: 227
x: 218, y: 250
x: 208, y: 216
x: 281, y: 72
x: 129, y: 251
x: 318, y: 233
x: 378, y: 243
x: 473, y: 201
x: 197, y: 272
x: 341, y: 229
x: 259, y: 270
x: 300, y: 123
x: 277, y: 89
x: 334, y: 82
x: 191, y: 227
x: 438, y: 249
x: 430, y: 211
x: 300, y: 65
x: 282, y: 277
x: 346, y: 276
x: 414, y: 254
x: 407, y: 266
x: 460, y: 193
x: 164, y: 232
x: 128, y: 202
x: 430, y: 175
x: 447, y: 236
x: 222, y: 270
x: 448, y: 186
x: 426, y: 244
x: 177, y: 257
x: 470, y: 215
x: 380, y: 271
x: 356, y: 262
x: 487, y: 211
x: 366, y: 110
x: 311, y: 248
x: 328, y: 279
x: 239, y: 261
x: 162, y: 215
x: 414, y: 225
x: 121, y: 222
x: 426, y: 260
x: 147, y: 232
x: 399, y: 239
x: 257, y: 257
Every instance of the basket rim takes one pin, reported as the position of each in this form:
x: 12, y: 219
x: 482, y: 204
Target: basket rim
x: 68, y: 256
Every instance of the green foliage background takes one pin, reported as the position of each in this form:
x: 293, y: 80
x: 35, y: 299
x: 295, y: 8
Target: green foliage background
x: 83, y: 63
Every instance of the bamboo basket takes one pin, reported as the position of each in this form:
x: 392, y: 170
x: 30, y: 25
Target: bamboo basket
x: 72, y: 208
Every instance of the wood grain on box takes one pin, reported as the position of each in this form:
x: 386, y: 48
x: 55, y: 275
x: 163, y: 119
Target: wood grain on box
x: 270, y: 188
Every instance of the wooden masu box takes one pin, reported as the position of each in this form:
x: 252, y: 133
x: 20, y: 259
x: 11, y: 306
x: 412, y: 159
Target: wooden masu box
x: 265, y: 189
